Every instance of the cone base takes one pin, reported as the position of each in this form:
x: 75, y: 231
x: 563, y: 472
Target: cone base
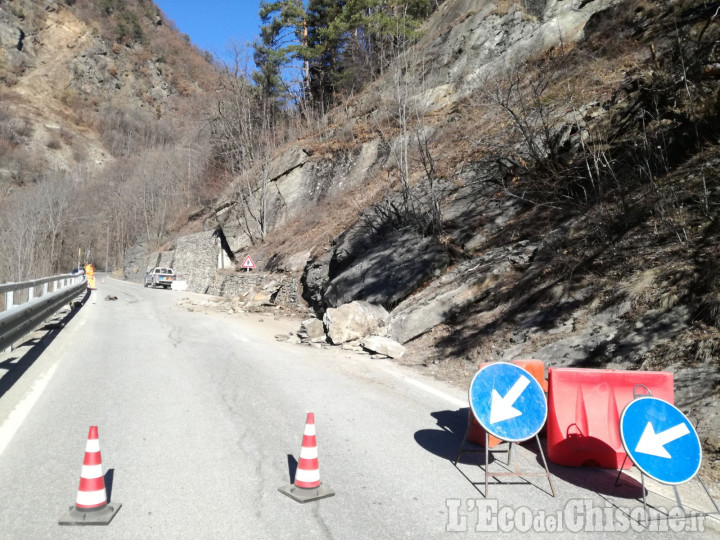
x: 303, y: 495
x: 90, y: 517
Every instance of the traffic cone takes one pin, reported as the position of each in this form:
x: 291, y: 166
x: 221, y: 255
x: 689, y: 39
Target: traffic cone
x: 307, y: 486
x: 91, y: 506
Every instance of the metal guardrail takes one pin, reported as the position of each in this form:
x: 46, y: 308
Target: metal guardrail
x: 33, y: 287
x: 43, y: 298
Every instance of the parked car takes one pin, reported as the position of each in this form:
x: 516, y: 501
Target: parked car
x: 160, y: 276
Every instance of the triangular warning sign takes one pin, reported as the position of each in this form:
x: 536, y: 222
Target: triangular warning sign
x: 248, y: 263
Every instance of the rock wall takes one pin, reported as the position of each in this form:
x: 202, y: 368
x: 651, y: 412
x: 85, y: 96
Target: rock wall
x: 300, y: 183
x: 138, y: 263
x: 196, y: 259
x: 258, y: 288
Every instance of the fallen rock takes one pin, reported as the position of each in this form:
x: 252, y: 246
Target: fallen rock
x: 265, y: 297
x: 353, y: 346
x: 313, y: 330
x: 355, y: 320
x: 110, y: 297
x: 383, y: 345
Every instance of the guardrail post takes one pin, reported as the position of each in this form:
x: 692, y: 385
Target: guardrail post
x: 9, y: 299
x: 44, y: 289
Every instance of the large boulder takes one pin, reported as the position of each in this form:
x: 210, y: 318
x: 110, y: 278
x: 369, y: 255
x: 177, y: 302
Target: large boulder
x: 383, y: 345
x: 355, y: 320
x: 266, y: 295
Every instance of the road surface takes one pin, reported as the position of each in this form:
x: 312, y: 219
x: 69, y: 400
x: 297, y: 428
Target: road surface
x: 201, y: 415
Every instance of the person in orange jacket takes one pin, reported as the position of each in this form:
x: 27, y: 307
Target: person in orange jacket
x: 90, y: 274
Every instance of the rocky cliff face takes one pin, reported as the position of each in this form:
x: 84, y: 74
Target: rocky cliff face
x: 465, y: 43
x: 528, y: 115
x: 534, y: 178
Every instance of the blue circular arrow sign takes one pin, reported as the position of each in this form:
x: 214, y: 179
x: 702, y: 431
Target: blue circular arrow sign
x: 660, y: 441
x: 508, y: 402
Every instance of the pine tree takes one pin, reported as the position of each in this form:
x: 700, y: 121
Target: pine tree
x: 283, y: 40
x: 324, y: 50
x: 340, y: 45
x: 353, y: 41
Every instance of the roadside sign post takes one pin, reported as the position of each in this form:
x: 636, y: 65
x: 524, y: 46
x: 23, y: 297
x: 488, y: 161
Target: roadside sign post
x: 662, y: 443
x: 248, y: 264
x: 509, y: 404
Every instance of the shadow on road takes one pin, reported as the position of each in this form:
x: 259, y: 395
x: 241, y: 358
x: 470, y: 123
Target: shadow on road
x: 445, y: 442
x: 292, y: 467
x: 109, y: 477
x: 19, y: 363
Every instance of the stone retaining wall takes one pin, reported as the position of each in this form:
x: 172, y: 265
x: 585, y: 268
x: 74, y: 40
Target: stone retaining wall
x: 136, y: 266
x: 195, y: 260
x: 281, y: 289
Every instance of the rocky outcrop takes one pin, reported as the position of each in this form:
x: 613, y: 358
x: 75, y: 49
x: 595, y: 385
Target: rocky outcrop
x: 476, y: 282
x: 300, y: 182
x: 382, y: 271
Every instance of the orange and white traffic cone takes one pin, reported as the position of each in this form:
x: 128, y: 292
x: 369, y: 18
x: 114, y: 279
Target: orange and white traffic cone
x: 91, y: 506
x: 307, y: 486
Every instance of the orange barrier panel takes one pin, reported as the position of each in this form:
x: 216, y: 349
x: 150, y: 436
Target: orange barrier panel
x: 584, y: 407
x: 537, y: 369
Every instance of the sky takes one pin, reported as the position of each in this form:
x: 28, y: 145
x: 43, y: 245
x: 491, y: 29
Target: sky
x: 212, y: 24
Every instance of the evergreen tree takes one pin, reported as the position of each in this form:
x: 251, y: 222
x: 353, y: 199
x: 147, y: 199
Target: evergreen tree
x: 323, y: 50
x: 340, y: 45
x: 353, y: 41
x: 283, y: 40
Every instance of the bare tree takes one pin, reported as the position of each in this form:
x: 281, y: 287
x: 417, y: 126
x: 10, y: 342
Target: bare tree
x: 411, y: 150
x: 22, y: 235
x: 54, y: 196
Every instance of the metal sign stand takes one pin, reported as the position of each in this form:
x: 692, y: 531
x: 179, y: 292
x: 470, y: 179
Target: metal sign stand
x: 677, y: 498
x: 516, y: 472
x: 675, y: 489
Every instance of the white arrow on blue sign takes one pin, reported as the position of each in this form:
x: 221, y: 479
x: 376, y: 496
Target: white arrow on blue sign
x: 660, y: 441
x: 508, y: 402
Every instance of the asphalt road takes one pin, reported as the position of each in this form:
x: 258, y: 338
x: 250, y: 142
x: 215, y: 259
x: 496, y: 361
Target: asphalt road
x: 200, y: 418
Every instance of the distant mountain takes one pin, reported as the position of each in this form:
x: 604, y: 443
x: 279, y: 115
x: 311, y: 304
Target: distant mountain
x: 102, y: 130
x: 71, y: 71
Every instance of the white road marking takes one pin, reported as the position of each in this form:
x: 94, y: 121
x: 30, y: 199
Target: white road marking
x: 429, y: 389
x: 18, y: 415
